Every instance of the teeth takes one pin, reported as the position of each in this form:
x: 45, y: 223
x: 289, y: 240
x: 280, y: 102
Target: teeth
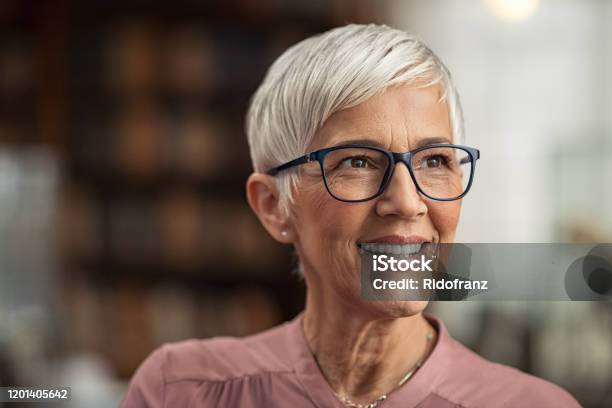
x: 392, y: 249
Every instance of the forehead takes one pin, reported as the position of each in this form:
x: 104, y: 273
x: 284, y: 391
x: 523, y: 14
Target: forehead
x: 397, y: 119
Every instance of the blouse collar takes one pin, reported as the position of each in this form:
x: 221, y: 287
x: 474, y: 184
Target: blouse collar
x: 424, y: 381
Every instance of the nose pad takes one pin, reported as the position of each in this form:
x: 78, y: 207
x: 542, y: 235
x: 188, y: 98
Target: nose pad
x: 401, y: 179
x: 401, y: 196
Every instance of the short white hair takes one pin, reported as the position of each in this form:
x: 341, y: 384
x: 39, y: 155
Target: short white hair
x: 329, y: 72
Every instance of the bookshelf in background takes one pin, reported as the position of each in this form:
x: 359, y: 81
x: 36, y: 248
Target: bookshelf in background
x: 157, y: 239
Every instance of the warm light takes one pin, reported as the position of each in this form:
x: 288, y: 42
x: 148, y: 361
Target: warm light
x: 513, y: 10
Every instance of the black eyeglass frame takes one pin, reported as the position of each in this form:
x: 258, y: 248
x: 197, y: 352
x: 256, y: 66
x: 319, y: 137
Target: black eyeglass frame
x: 394, y: 158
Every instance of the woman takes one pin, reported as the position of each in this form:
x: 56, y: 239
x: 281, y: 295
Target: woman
x: 326, y: 129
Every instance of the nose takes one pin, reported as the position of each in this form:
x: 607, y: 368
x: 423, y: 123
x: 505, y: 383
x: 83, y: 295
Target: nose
x: 401, y: 198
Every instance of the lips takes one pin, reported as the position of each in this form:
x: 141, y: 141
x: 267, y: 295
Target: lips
x: 391, y: 249
x: 394, y: 244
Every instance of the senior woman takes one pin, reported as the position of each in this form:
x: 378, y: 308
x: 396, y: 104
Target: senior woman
x: 356, y: 141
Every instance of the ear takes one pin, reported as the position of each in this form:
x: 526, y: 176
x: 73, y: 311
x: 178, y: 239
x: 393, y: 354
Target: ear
x: 263, y: 197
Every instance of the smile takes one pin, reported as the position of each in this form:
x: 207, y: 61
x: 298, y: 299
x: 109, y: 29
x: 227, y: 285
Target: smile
x: 391, y: 249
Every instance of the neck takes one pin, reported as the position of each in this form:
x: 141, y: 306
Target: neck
x: 363, y: 357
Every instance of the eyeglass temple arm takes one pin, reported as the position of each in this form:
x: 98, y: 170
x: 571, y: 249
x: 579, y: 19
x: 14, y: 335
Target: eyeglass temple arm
x: 295, y: 162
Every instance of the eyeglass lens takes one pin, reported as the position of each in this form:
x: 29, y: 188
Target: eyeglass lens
x: 355, y: 174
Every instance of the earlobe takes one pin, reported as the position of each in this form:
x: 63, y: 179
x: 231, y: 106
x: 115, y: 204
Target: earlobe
x: 263, y: 197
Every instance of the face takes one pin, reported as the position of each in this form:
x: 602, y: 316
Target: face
x: 329, y: 232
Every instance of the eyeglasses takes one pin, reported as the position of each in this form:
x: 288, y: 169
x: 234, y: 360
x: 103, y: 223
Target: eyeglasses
x: 355, y: 172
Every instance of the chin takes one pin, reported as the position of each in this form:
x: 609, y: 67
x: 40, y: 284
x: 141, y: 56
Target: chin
x: 396, y: 309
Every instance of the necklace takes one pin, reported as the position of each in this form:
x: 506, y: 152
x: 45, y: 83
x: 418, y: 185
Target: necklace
x: 350, y: 404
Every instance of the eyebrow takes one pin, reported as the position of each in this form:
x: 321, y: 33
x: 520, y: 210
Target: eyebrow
x: 432, y: 140
x: 420, y: 143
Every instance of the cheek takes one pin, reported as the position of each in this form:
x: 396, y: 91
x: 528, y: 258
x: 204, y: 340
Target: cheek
x: 445, y: 217
x: 328, y: 230
x: 328, y: 220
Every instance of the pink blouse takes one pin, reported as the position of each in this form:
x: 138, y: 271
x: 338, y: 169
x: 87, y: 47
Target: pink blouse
x: 275, y: 368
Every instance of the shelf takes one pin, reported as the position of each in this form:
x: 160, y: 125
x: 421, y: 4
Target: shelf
x: 150, y: 274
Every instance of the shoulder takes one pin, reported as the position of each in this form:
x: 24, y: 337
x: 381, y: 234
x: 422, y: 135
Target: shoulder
x: 226, y: 358
x: 473, y: 381
x: 214, y: 360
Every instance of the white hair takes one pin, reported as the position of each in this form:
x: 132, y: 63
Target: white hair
x: 329, y: 72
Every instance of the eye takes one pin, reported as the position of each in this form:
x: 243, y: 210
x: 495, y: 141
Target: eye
x: 357, y: 162
x: 435, y: 161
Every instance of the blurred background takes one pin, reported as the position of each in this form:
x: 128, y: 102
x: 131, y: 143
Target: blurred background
x: 123, y: 221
